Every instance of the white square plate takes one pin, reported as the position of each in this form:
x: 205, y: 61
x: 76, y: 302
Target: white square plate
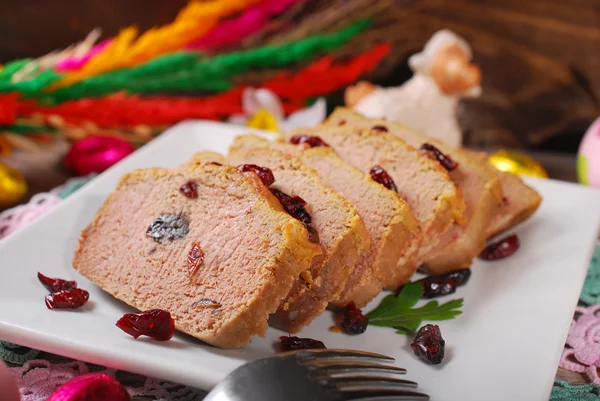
x: 505, y: 346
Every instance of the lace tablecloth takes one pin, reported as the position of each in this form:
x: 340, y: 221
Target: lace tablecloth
x: 38, y: 373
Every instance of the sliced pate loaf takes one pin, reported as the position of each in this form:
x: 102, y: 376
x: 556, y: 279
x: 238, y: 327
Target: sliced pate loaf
x: 220, y: 255
x: 392, y: 227
x: 478, y: 182
x: 342, y: 234
x: 434, y: 199
x: 519, y: 201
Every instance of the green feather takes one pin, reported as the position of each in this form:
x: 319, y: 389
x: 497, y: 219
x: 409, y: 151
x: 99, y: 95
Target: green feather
x: 25, y: 129
x: 31, y: 87
x: 9, y: 69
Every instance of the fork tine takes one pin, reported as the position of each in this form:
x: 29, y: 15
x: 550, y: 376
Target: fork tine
x: 400, y: 395
x: 358, y: 381
x: 335, y: 367
x: 342, y: 354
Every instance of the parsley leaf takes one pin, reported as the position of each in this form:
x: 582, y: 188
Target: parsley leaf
x: 398, y: 312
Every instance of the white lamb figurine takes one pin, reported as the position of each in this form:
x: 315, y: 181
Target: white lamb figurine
x: 443, y: 73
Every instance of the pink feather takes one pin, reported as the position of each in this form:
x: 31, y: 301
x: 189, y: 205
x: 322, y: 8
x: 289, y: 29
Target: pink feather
x: 236, y: 29
x: 75, y: 63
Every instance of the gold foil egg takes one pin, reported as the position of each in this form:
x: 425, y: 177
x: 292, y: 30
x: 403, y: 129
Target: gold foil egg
x: 13, y: 186
x: 517, y: 163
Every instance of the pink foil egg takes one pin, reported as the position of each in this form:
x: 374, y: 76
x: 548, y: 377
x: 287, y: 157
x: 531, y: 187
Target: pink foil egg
x: 588, y: 157
x: 95, y: 154
x: 91, y: 387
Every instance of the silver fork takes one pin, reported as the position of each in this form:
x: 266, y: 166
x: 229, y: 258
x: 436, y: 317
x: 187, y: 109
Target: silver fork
x: 317, y: 375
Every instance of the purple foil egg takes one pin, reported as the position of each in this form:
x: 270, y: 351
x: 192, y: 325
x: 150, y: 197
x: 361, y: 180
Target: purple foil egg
x: 91, y: 387
x: 95, y: 154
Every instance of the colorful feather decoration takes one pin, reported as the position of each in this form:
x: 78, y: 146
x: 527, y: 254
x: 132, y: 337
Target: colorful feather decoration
x: 41, y: 64
x: 8, y: 108
x: 76, y: 62
x: 9, y: 69
x: 124, y: 111
x: 251, y: 21
x: 325, y: 77
x: 126, y: 51
x: 133, y: 83
x: 33, y: 86
x: 189, y: 72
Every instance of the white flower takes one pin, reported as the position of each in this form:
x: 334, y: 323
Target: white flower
x: 263, y: 109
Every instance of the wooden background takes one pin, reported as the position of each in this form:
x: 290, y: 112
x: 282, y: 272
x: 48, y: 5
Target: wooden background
x: 540, y: 58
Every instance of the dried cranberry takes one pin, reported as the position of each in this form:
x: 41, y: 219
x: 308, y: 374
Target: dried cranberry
x: 429, y: 344
x: 379, y: 128
x: 189, y: 189
x: 156, y: 323
x: 342, y: 122
x: 195, y: 258
x: 444, y: 284
x: 265, y: 174
x: 438, y: 288
x: 460, y: 277
x: 444, y: 160
x: 354, y: 321
x: 56, y: 284
x: 168, y: 227
x: 313, y: 141
x: 501, y: 249
x: 290, y: 343
x: 294, y: 205
x: 379, y: 175
x: 67, y: 299
x: 215, y: 164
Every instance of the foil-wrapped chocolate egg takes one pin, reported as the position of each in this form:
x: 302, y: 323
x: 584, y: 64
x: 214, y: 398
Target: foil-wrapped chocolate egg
x: 95, y: 154
x: 517, y: 163
x: 588, y: 156
x: 13, y: 186
x: 91, y: 387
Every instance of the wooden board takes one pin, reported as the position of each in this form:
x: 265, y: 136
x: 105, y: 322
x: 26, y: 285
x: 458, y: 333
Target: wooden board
x: 540, y: 61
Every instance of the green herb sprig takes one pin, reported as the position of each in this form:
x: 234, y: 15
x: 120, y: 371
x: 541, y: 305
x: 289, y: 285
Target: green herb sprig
x: 398, y: 312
